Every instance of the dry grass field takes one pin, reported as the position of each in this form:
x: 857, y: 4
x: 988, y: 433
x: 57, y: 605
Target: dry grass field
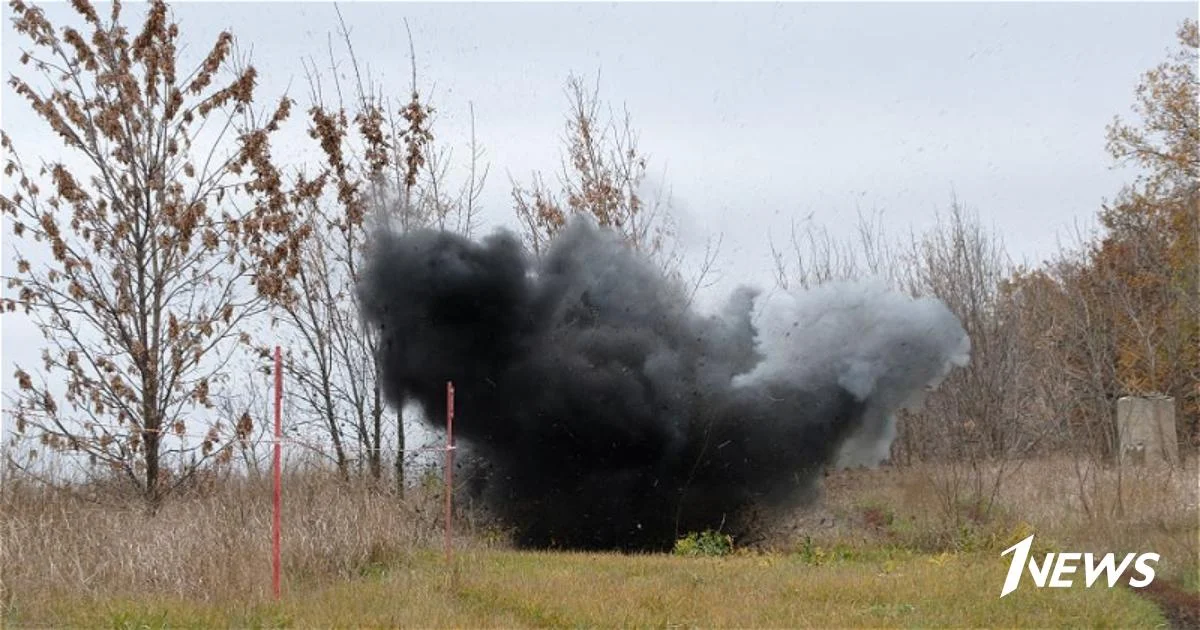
x: 883, y: 548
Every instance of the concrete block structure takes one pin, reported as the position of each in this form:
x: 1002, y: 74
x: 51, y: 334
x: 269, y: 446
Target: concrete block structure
x: 1146, y: 430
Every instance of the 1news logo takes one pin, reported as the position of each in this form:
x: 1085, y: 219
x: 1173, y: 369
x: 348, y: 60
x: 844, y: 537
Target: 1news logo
x: 1065, y: 564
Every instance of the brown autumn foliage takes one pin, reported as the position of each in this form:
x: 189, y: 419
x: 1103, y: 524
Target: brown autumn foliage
x: 145, y: 253
x: 602, y: 177
x: 1153, y: 243
x: 1122, y: 316
x: 381, y: 168
x: 372, y: 154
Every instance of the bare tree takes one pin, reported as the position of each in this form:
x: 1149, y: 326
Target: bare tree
x: 151, y: 250
x: 978, y: 421
x: 814, y: 256
x: 964, y: 266
x: 382, y: 170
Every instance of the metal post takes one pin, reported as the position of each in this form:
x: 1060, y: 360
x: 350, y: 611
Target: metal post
x: 449, y: 474
x: 277, y: 466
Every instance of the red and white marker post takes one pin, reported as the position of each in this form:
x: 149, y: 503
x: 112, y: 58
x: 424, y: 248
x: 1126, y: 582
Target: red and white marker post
x: 449, y: 468
x: 277, y: 467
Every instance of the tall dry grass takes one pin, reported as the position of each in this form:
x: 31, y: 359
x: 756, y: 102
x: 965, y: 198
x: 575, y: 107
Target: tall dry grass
x: 209, y: 546
x: 1082, y: 504
x: 210, y: 543
x: 1068, y: 504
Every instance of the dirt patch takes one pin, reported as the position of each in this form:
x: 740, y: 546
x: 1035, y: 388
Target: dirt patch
x: 1180, y: 607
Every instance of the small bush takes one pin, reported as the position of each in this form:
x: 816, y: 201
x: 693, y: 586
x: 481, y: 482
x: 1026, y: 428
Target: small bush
x: 811, y: 553
x: 706, y: 543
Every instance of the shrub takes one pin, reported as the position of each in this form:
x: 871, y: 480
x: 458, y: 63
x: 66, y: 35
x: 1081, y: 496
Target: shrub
x: 706, y: 543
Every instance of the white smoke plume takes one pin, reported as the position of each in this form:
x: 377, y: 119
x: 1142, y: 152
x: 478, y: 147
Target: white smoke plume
x: 879, y: 344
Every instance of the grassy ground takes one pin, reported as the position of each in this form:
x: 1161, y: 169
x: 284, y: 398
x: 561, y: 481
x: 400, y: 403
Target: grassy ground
x: 506, y: 588
x: 905, y: 547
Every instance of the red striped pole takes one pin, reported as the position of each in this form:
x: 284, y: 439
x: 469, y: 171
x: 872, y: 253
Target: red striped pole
x: 449, y: 465
x: 277, y: 466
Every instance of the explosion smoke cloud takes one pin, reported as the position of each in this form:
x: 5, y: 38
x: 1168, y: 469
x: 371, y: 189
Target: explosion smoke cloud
x: 606, y: 413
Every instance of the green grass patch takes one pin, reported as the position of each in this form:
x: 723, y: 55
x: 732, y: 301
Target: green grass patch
x: 849, y: 588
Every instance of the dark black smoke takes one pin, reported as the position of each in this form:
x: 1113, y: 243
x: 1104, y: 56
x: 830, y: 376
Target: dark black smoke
x: 606, y: 412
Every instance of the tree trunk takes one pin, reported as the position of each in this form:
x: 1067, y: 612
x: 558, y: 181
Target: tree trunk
x: 335, y: 433
x: 152, y: 492
x: 376, y: 445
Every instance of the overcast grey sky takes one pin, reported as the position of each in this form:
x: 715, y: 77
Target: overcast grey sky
x: 753, y: 114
